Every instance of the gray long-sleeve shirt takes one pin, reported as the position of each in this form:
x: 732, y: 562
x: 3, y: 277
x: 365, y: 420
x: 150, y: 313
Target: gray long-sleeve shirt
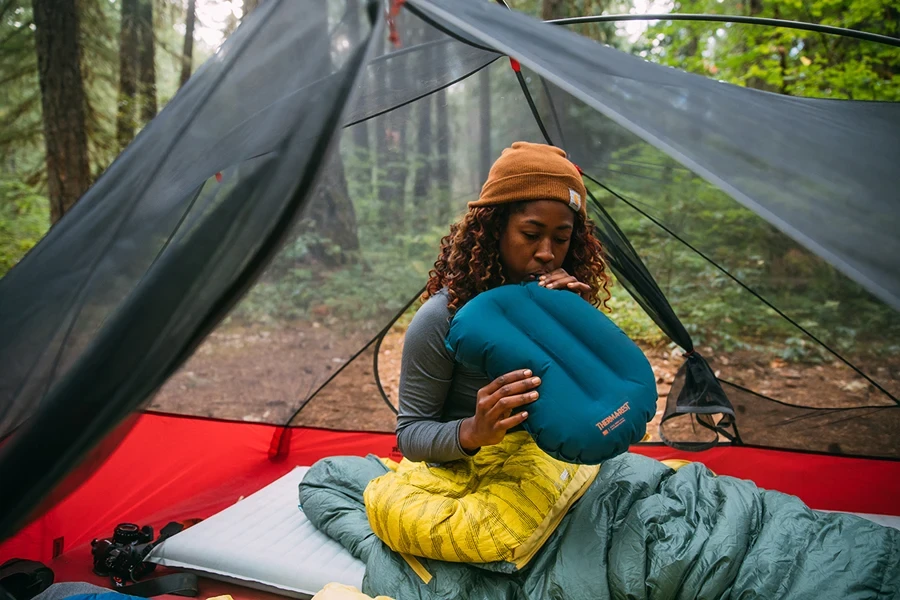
x: 436, y: 394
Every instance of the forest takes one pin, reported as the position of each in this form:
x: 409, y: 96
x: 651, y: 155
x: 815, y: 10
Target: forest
x: 81, y: 78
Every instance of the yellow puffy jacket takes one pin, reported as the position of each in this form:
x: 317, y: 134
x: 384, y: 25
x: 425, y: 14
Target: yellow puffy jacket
x: 499, y: 505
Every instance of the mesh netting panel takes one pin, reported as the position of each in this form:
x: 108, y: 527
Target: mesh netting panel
x: 744, y: 339
x: 797, y: 161
x: 863, y: 431
x: 698, y: 412
x: 360, y: 251
x: 351, y: 400
x: 656, y: 199
x: 403, y: 195
x: 233, y: 118
x: 426, y: 60
x: 123, y: 288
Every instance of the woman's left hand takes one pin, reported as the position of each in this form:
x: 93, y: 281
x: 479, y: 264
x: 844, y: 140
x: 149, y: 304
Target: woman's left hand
x: 560, y: 280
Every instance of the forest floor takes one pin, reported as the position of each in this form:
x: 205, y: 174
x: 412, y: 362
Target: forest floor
x: 264, y: 374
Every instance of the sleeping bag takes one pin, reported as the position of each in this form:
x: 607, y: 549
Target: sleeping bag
x: 597, y: 391
x: 641, y: 531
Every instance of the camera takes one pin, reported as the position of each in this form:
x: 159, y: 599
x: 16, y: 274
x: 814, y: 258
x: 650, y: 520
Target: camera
x: 121, y: 557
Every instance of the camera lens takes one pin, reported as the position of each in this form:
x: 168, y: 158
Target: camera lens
x: 126, y: 533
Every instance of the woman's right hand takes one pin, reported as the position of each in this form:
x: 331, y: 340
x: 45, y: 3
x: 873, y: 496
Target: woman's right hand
x: 493, y: 411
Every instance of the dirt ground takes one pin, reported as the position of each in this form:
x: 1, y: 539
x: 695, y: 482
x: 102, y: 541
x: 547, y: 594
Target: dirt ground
x: 265, y: 374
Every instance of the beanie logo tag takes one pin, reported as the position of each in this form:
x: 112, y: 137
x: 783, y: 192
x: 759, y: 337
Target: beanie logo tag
x: 574, y: 200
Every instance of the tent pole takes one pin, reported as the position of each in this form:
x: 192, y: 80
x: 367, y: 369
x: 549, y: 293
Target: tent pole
x: 815, y: 27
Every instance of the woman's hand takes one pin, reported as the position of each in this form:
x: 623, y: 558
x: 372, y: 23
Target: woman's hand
x: 560, y: 280
x: 493, y: 411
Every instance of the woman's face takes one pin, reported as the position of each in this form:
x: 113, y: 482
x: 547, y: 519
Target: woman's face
x: 536, y: 240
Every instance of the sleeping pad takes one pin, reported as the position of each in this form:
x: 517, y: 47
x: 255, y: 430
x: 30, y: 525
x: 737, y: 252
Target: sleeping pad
x: 641, y: 531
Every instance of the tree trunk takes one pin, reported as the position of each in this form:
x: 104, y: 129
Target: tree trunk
x: 552, y: 9
x: 392, y: 168
x: 360, y: 167
x: 360, y: 131
x: 146, y: 61
x: 442, y: 187
x: 758, y: 83
x: 334, y: 219
x: 128, y: 56
x: 380, y: 158
x: 62, y: 102
x: 398, y: 169
x: 422, y: 182
x: 393, y: 171
x: 557, y: 103
x: 484, y: 124
x: 442, y: 172
x: 331, y: 211
x: 782, y: 61
x: 187, y: 56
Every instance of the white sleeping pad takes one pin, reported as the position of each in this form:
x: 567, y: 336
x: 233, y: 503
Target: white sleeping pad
x: 884, y: 520
x: 264, y: 542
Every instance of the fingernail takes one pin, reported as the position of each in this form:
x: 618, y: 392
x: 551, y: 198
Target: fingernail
x: 571, y: 284
x: 524, y: 415
x: 533, y: 395
x: 536, y: 380
x: 527, y: 372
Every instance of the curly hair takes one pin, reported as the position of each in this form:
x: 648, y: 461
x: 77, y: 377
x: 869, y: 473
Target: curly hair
x: 469, y: 260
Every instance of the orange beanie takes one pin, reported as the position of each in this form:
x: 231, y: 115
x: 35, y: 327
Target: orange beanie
x: 529, y: 171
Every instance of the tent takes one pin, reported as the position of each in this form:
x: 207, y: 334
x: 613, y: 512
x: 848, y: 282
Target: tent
x: 281, y: 170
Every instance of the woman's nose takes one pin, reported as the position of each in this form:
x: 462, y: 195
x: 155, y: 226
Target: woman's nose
x: 544, y: 252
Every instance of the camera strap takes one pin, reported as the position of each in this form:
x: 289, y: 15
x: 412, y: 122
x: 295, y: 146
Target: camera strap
x: 22, y: 579
x: 179, y: 584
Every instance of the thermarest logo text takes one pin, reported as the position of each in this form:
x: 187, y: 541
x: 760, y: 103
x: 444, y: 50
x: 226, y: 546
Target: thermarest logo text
x: 613, y: 420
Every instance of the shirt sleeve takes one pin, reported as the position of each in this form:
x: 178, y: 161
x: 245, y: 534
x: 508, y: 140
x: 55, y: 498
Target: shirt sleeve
x: 426, y: 374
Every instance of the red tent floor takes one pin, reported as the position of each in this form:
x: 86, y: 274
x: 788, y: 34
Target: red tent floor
x: 171, y: 468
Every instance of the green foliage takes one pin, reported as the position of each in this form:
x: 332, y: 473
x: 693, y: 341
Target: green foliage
x: 359, y: 296
x: 716, y: 310
x: 391, y: 267
x: 100, y: 69
x: 631, y: 318
x: 21, y: 130
x: 782, y: 60
x: 24, y: 216
x: 22, y: 166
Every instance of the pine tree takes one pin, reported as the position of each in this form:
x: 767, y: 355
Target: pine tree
x: 62, y: 102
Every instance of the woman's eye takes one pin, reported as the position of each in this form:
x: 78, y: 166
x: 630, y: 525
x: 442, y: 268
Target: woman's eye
x: 559, y: 241
x: 530, y: 236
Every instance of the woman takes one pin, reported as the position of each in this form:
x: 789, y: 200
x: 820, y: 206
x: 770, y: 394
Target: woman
x: 528, y: 224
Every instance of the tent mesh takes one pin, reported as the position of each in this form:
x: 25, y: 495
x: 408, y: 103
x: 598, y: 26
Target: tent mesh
x: 163, y: 289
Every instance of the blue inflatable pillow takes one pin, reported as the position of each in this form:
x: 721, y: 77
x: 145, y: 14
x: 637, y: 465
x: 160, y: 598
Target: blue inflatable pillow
x: 597, y: 391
